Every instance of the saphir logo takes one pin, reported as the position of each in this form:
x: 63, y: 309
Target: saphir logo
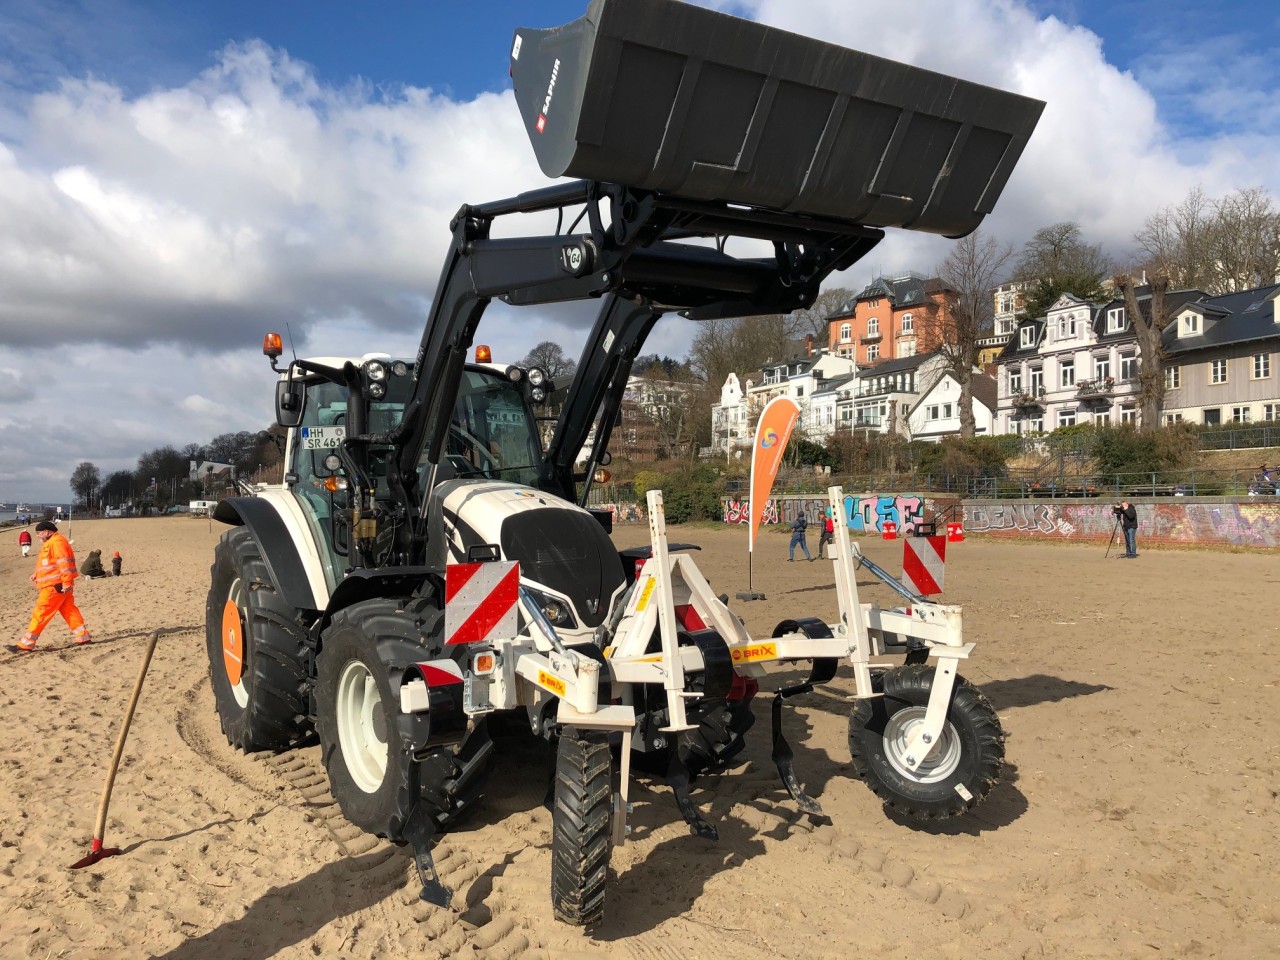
x: 769, y: 439
x: 546, y: 103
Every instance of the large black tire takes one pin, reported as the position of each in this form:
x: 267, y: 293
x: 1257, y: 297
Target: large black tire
x: 364, y: 736
x: 958, y: 773
x: 580, y: 843
x: 257, y: 650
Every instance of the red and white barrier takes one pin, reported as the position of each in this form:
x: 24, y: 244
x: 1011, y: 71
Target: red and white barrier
x: 923, y: 564
x: 480, y: 601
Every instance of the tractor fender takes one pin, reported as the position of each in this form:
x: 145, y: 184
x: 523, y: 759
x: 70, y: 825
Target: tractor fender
x: 279, y: 551
x: 369, y: 584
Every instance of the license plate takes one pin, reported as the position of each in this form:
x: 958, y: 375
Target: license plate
x: 322, y: 438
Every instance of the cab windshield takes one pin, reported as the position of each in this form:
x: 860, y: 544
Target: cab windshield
x: 491, y: 431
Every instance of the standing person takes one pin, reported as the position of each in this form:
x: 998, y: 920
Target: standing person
x: 797, y: 537
x: 54, y: 577
x: 24, y: 541
x: 115, y: 564
x: 1128, y: 517
x: 828, y: 532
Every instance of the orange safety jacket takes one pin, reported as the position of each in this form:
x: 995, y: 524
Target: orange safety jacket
x: 56, y: 564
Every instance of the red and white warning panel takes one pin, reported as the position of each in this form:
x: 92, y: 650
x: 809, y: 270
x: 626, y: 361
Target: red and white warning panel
x: 480, y: 601
x: 923, y: 562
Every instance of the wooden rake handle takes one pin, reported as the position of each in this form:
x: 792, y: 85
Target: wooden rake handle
x: 101, y: 826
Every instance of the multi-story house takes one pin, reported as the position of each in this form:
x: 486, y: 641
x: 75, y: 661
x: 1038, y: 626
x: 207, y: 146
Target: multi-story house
x: 808, y: 377
x: 1221, y: 358
x: 891, y: 318
x: 1077, y: 364
x: 1009, y: 305
x: 936, y: 414
x: 879, y: 398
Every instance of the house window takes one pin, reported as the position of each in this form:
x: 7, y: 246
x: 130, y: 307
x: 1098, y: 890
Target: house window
x: 1037, y: 383
x: 1271, y: 411
x: 1066, y: 418
x: 908, y: 323
x: 1015, y: 382
x: 1128, y: 366
x: 1102, y: 417
x: 907, y: 349
x: 1115, y: 319
x: 1217, y: 371
x: 1129, y: 415
x: 873, y: 352
x: 1067, y: 372
x: 1028, y: 337
x: 1189, y: 325
x: 1241, y: 414
x: 931, y: 412
x: 1172, y: 378
x: 799, y: 391
x: 1067, y: 326
x: 1211, y: 416
x: 1172, y: 418
x: 873, y: 327
x: 1036, y: 424
x: 1261, y: 366
x: 1101, y: 368
x: 846, y: 332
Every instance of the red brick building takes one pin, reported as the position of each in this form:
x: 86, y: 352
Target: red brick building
x: 892, y: 318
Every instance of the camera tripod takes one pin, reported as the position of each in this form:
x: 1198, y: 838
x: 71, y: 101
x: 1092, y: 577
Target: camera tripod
x: 1114, y: 531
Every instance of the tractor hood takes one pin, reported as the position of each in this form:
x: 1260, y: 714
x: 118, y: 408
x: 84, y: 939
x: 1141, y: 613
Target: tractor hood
x: 561, y: 547
x: 666, y: 96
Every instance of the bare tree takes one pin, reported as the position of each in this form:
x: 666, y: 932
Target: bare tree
x: 813, y: 319
x: 972, y: 270
x: 1056, y: 261
x: 1149, y: 328
x: 1219, y: 246
x: 550, y: 357
x: 1245, y: 241
x: 84, y: 482
x: 1176, y: 242
x: 737, y: 345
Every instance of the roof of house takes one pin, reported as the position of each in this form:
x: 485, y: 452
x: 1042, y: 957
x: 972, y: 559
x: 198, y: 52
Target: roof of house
x: 897, y: 365
x: 985, y: 390
x: 1231, y: 318
x: 907, y: 291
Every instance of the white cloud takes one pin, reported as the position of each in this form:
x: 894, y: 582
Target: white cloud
x: 148, y: 240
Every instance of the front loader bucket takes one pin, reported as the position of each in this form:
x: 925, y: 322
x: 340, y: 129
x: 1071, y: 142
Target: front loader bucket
x: 665, y: 96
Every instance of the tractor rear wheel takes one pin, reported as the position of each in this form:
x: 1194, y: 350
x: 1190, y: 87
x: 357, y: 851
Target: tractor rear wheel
x: 256, y: 648
x: 365, y: 738
x: 956, y: 774
x: 580, y: 843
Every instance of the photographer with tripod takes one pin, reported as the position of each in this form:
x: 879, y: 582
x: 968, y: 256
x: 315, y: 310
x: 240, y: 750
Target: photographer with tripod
x: 1127, y: 518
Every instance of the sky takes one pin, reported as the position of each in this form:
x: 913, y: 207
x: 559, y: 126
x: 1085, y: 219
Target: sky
x: 178, y: 179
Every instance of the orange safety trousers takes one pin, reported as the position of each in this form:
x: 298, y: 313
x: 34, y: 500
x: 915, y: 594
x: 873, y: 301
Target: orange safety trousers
x: 51, y: 602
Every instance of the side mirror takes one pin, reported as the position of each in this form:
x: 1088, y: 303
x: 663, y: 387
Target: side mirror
x: 606, y: 458
x: 290, y: 403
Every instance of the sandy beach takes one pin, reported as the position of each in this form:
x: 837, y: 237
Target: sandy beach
x: 1139, y: 815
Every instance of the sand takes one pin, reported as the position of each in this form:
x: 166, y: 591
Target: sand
x: 1138, y: 816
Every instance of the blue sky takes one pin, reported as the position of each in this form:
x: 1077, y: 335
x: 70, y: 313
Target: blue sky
x: 178, y: 178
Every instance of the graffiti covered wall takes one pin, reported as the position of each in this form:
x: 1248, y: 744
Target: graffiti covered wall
x: 863, y: 514
x: 1214, y: 523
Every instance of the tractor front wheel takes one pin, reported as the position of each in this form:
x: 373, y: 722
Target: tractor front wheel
x: 955, y: 775
x: 376, y: 773
x: 580, y: 843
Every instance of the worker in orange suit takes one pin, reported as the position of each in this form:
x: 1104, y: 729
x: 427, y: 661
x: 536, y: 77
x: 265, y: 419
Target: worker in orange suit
x: 55, y: 577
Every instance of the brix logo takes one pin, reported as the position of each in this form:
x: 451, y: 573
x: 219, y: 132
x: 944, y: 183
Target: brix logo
x: 541, y: 125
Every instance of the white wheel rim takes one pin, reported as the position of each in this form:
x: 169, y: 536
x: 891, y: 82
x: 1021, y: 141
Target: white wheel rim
x: 237, y: 596
x: 361, y: 727
x: 940, y: 762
